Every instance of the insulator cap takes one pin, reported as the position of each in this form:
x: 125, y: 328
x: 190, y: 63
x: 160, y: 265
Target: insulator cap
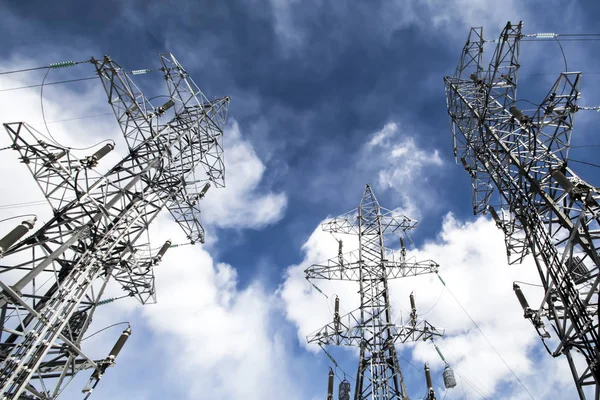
x: 515, y: 112
x: 119, y: 345
x: 62, y: 64
x: 344, y: 390
x: 102, y: 151
x: 476, y: 79
x: 562, y: 180
x: 163, y: 250
x: 166, y: 106
x: 330, y: 385
x: 428, y: 377
x: 412, y: 302
x: 336, y: 314
x: 521, y: 297
x: 13, y: 236
x: 204, y: 190
x: 57, y: 156
x: 449, y: 379
x: 140, y: 71
x: 495, y: 216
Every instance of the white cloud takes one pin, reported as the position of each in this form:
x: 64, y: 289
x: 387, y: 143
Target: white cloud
x: 453, y: 18
x: 402, y: 165
x: 212, y: 330
x: 247, y: 201
x: 289, y: 34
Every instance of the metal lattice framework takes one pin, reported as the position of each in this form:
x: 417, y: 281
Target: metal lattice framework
x: 542, y: 206
x: 370, y: 327
x: 53, y: 280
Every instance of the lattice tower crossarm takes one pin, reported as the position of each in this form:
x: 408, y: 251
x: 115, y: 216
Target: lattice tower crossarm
x: 99, y: 227
x: 518, y: 162
x: 371, y: 327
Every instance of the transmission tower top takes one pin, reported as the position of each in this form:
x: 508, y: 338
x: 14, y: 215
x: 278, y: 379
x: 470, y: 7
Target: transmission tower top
x: 371, y: 327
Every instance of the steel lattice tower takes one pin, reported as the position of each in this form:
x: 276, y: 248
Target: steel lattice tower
x: 99, y: 227
x: 541, y: 204
x: 370, y: 327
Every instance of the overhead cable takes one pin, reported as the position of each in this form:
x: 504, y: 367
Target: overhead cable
x: 486, y: 338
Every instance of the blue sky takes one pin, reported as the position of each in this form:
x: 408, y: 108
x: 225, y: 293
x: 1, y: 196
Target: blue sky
x: 325, y: 97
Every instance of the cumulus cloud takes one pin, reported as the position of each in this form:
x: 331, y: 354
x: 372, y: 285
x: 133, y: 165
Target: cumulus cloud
x: 214, y: 331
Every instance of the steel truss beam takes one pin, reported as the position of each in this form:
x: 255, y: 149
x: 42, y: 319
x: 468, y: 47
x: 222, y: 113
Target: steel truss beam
x: 100, y: 223
x: 542, y: 206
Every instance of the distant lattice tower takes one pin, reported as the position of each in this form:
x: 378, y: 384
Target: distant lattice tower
x: 519, y: 165
x: 370, y: 327
x: 55, y: 279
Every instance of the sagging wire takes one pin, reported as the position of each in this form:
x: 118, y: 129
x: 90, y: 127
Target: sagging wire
x: 435, y: 304
x: 105, y: 328
x: 486, y: 338
x: 46, y: 123
x: 49, y: 83
x: 527, y: 283
x: 584, y: 146
x: 24, y: 204
x: 316, y: 287
x: 337, y: 366
x: 74, y: 119
x: 584, y: 162
x: 455, y: 369
x: 57, y: 65
x: 420, y: 370
x: 18, y: 216
x: 563, y: 53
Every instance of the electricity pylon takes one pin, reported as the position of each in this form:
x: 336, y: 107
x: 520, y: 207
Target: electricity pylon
x: 540, y: 203
x: 370, y: 327
x: 98, y: 232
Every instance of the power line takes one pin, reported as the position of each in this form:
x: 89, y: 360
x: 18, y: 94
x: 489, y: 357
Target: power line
x: 435, y: 304
x: 486, y: 338
x: 57, y: 65
x: 421, y: 371
x: 105, y: 328
x: 527, y: 283
x: 479, y: 391
x: 335, y: 363
x: 17, y: 216
x: 50, y: 83
x: 562, y: 51
x: 584, y: 162
x: 25, y: 204
x: 134, y: 72
x: 73, y: 119
x: 46, y: 123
